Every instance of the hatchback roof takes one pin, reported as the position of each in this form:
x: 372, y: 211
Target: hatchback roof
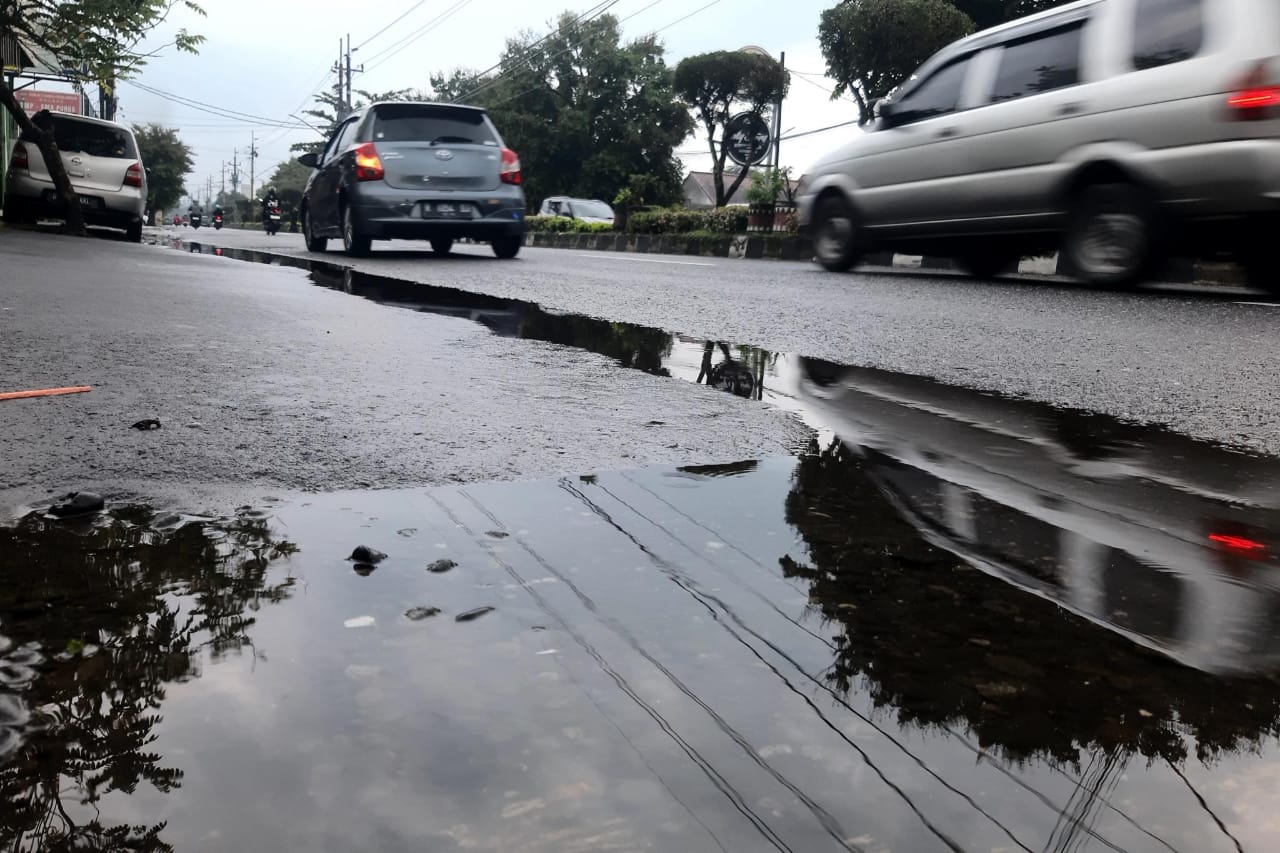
x: 87, y: 119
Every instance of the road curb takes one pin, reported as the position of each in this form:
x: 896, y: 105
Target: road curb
x: 794, y: 248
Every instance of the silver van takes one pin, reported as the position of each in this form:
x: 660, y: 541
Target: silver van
x: 1114, y: 131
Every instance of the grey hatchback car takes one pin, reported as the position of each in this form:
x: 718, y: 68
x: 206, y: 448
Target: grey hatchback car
x: 417, y: 171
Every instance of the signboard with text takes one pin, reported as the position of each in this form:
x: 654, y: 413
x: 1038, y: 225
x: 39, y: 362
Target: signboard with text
x: 35, y: 100
x: 748, y: 139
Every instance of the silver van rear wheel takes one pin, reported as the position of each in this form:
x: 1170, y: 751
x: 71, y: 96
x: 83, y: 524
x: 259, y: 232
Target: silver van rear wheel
x: 835, y: 234
x: 1111, y: 235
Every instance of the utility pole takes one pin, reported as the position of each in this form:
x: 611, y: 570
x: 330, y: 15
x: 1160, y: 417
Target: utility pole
x: 253, y: 155
x: 222, y: 194
x: 235, y: 171
x: 350, y: 97
x: 341, y: 91
x: 777, y: 121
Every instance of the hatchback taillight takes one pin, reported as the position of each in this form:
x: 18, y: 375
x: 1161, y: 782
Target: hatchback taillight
x: 1256, y: 96
x: 510, y: 173
x: 133, y: 176
x: 20, y: 159
x: 368, y: 163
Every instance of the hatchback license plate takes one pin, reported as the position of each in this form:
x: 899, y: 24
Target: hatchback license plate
x: 446, y: 210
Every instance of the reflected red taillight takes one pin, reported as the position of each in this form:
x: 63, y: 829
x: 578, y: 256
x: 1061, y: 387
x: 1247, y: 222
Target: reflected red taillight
x: 133, y: 176
x: 1256, y: 96
x: 20, y: 160
x: 510, y: 173
x: 368, y: 163
x: 1241, y: 546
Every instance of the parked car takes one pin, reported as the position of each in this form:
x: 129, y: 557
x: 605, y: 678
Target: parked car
x: 417, y: 171
x: 106, y: 171
x: 582, y: 209
x: 1113, y: 130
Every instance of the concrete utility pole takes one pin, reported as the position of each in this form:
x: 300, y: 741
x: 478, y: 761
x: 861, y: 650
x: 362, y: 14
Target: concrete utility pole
x: 235, y: 170
x: 341, y: 90
x: 350, y: 96
x: 253, y: 155
x: 777, y: 119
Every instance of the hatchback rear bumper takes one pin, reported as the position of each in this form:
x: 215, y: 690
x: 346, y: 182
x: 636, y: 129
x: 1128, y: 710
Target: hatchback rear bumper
x: 104, y: 209
x: 385, y: 214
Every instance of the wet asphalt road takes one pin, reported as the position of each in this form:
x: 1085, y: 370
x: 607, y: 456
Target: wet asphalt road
x: 261, y: 378
x: 1199, y: 360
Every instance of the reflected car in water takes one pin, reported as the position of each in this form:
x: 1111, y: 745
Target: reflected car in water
x: 1170, y: 545
x: 414, y: 171
x: 1113, y: 131
x: 103, y: 163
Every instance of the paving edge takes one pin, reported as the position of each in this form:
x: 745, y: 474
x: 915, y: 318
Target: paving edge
x: 793, y: 248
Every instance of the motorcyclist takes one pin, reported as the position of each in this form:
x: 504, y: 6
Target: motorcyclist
x: 270, y: 201
x: 195, y: 209
x: 217, y: 211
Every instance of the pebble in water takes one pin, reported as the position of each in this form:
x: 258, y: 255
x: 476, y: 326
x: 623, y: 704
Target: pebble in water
x: 471, y: 615
x: 417, y: 614
x: 439, y: 567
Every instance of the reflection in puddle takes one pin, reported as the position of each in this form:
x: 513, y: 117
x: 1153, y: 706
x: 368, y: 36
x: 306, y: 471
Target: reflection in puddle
x: 111, y: 616
x: 773, y: 655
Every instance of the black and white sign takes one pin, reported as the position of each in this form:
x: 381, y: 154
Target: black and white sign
x: 748, y: 139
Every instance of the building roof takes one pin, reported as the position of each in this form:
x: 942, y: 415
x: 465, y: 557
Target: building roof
x: 700, y: 188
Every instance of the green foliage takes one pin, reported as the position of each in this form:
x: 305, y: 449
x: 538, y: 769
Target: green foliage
x: 767, y: 186
x: 585, y: 111
x: 871, y: 46
x: 564, y: 225
x: 102, y: 37
x: 719, y: 85
x: 168, y: 160
x: 721, y: 221
x: 988, y: 13
x: 329, y: 111
x: 289, y: 179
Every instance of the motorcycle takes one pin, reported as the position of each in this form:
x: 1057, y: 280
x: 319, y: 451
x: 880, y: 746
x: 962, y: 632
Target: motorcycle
x: 195, y: 220
x: 272, y: 223
x: 217, y: 222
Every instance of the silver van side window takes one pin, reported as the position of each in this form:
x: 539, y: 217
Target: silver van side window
x: 1167, y: 31
x: 938, y: 94
x: 1042, y: 63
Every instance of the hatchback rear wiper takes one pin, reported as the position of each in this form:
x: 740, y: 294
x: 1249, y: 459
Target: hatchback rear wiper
x: 449, y: 138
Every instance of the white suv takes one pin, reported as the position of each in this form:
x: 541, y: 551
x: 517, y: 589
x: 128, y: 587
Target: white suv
x: 106, y: 171
x: 1112, y: 130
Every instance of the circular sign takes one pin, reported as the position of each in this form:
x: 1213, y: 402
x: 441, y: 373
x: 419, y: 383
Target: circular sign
x: 748, y: 139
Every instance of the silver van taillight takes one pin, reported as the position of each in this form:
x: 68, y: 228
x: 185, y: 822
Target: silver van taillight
x: 1256, y: 96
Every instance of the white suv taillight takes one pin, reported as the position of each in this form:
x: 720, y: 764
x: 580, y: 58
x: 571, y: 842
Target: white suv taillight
x: 133, y: 176
x: 20, y: 159
x: 1256, y: 96
x: 510, y: 173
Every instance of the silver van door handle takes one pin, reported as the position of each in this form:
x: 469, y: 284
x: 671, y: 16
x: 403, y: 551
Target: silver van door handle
x: 1072, y: 109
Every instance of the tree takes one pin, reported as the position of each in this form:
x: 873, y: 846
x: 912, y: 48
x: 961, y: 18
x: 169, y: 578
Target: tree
x: 290, y: 179
x: 988, y: 13
x: 330, y: 110
x: 585, y: 111
x: 100, y: 37
x: 871, y: 46
x: 168, y: 161
x: 718, y: 86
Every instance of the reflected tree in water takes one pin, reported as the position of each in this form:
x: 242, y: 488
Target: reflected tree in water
x: 942, y: 643
x: 636, y: 347
x: 121, y: 609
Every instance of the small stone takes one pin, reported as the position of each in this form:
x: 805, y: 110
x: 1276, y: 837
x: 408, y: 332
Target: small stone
x: 996, y: 691
x: 497, y: 534
x: 195, y: 425
x: 80, y: 503
x: 360, y: 622
x: 472, y: 615
x: 439, y: 567
x: 146, y: 425
x: 365, y: 554
x: 1145, y: 714
x: 417, y: 614
x: 980, y: 643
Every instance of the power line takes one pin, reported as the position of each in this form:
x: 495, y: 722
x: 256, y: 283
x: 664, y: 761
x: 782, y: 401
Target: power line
x: 221, y: 112
x: 386, y: 54
x: 398, y: 19
x: 818, y: 130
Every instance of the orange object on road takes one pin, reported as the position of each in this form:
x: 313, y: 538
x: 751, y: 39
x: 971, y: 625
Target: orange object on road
x: 44, y: 392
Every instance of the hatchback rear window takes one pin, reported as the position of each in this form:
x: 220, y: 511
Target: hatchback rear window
x: 412, y: 123
x: 96, y: 140
x: 1167, y: 31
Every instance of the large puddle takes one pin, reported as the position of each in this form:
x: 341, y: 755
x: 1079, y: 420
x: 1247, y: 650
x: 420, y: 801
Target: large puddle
x: 965, y: 623
x: 971, y: 624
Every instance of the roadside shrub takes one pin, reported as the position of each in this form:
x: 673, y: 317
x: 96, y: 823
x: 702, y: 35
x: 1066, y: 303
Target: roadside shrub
x: 722, y: 220
x: 564, y: 225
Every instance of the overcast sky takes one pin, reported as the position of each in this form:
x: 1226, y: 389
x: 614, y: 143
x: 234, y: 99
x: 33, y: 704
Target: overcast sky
x: 267, y: 57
